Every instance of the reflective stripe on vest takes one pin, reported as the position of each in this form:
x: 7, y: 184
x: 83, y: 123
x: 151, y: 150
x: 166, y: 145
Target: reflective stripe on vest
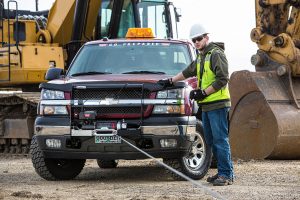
x: 208, y: 78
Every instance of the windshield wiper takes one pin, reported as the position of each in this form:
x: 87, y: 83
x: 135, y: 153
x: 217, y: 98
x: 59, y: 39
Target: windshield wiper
x: 144, y: 72
x: 89, y: 73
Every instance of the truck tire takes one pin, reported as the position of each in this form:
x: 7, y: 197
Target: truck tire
x: 54, y: 169
x: 196, y: 164
x: 106, y: 164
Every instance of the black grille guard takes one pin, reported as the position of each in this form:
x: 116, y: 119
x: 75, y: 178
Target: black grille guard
x: 110, y: 102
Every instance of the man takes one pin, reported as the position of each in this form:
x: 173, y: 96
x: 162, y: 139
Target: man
x: 212, y: 94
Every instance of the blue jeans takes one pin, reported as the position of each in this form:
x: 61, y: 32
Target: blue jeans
x: 215, y: 125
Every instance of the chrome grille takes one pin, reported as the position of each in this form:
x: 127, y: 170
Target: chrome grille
x: 112, y: 110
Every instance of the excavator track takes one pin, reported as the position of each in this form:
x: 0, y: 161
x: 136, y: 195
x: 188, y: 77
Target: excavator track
x: 17, y: 114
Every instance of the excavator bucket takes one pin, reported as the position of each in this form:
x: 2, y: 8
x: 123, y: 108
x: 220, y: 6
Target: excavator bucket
x: 265, y: 115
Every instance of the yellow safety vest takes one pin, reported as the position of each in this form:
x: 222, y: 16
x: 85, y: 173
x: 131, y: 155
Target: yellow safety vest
x: 208, y: 78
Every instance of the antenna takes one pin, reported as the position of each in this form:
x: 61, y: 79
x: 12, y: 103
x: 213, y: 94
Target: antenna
x: 36, y: 5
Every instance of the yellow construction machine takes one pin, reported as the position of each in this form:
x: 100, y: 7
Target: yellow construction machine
x: 32, y: 42
x: 265, y: 114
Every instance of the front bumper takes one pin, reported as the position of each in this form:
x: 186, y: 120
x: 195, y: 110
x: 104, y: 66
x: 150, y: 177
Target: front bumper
x: 89, y: 150
x: 184, y: 125
x: 147, y: 138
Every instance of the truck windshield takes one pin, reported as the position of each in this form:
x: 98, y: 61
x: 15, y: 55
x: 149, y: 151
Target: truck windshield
x: 132, y: 58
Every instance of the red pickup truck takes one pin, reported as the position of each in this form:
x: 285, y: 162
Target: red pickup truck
x: 110, y: 93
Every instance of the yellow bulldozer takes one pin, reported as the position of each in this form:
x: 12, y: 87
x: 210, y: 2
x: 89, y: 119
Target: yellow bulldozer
x: 33, y: 42
x: 265, y: 114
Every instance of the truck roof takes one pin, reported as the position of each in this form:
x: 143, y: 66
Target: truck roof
x: 180, y: 41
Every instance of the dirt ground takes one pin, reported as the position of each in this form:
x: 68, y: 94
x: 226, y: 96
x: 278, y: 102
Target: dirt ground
x: 143, y: 180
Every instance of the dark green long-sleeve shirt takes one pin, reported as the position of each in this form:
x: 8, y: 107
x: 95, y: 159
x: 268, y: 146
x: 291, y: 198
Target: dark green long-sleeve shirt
x: 219, y: 66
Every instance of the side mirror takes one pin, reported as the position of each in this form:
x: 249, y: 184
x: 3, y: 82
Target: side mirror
x: 53, y: 73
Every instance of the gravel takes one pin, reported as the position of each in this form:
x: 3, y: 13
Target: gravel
x: 143, y: 180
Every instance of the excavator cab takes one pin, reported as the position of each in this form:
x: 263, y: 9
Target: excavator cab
x: 160, y: 15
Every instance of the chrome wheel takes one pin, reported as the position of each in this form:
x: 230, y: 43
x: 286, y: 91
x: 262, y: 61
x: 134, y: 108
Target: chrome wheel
x: 196, y: 163
x: 196, y: 157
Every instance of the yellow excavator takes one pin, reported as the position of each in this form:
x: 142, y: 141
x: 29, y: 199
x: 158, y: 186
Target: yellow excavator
x: 265, y: 114
x: 33, y: 42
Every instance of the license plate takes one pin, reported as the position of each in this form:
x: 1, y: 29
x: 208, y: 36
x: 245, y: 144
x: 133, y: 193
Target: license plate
x: 99, y: 139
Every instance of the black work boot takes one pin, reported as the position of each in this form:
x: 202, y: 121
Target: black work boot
x: 211, y: 179
x: 222, y: 181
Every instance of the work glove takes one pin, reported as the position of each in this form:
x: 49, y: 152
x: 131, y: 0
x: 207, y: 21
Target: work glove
x: 198, y: 95
x: 165, y: 82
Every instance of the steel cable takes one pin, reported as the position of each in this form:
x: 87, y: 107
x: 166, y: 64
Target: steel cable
x: 208, y: 190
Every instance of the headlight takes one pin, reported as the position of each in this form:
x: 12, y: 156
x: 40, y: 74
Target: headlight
x: 169, y: 109
x: 52, y: 94
x: 53, y: 110
x: 170, y: 94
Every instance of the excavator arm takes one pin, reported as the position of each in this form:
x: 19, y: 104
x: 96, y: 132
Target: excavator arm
x: 265, y: 117
x: 277, y: 33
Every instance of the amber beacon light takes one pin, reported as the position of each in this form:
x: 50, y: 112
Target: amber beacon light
x: 140, y: 33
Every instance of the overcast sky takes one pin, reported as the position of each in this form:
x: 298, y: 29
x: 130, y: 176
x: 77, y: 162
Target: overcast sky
x: 229, y: 21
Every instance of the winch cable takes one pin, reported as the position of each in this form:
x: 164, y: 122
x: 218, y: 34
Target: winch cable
x: 206, y: 189
x: 195, y: 183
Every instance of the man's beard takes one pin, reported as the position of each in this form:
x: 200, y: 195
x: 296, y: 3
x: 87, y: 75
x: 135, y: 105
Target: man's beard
x: 203, y: 47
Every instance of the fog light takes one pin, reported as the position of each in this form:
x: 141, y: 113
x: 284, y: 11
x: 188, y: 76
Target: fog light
x: 165, y: 143
x: 53, y: 143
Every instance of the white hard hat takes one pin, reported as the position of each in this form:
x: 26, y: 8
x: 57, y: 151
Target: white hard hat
x: 197, y: 30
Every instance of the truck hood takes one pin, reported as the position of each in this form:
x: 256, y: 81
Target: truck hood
x: 145, y: 78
